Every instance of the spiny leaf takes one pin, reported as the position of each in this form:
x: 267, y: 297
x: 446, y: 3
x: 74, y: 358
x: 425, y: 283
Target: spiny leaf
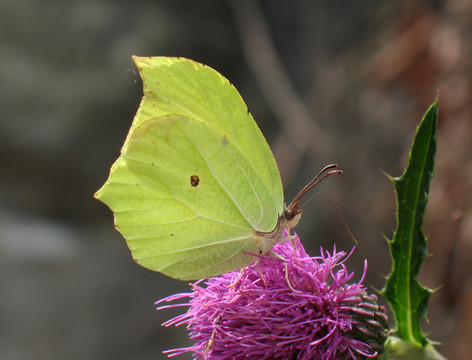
x: 407, y: 297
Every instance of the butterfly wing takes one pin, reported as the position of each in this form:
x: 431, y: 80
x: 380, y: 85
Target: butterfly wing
x: 187, y: 191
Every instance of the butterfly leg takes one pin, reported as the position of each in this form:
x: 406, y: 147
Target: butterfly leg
x: 288, y: 280
x: 291, y: 238
x: 278, y: 256
x: 272, y: 252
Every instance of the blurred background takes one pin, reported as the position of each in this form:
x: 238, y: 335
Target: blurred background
x: 327, y: 81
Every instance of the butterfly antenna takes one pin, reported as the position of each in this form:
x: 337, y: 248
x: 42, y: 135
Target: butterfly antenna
x: 341, y: 217
x: 323, y: 174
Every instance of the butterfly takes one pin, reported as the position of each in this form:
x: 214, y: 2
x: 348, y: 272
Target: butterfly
x: 196, y: 189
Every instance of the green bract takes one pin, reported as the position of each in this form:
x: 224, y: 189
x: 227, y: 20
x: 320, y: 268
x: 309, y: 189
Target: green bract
x: 196, y: 179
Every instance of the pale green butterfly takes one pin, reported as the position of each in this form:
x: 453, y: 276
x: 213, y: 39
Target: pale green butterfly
x: 196, y: 189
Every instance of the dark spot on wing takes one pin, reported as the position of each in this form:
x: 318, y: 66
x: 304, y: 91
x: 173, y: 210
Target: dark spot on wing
x: 194, y: 180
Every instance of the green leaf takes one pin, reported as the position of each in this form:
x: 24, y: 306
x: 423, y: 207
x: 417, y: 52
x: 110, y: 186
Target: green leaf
x: 407, y: 297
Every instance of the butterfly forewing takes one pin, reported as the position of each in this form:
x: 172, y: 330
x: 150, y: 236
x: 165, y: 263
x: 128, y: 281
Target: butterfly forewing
x: 182, y: 86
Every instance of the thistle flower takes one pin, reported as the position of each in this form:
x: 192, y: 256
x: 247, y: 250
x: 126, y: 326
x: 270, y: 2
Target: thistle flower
x: 287, y: 307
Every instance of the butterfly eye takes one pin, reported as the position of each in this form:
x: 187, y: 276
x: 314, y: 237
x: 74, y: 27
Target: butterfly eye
x: 289, y: 214
x: 194, y: 180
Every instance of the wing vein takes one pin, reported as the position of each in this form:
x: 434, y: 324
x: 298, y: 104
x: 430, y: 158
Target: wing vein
x: 181, y: 221
x: 226, y: 241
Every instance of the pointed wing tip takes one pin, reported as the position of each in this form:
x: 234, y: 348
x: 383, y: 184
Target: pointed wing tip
x: 99, y: 193
x: 141, y: 61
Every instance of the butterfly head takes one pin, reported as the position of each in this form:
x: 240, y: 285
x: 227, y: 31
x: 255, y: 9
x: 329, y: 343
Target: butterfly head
x: 292, y: 215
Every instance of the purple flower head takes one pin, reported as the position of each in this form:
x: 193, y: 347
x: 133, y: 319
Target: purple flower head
x: 292, y: 307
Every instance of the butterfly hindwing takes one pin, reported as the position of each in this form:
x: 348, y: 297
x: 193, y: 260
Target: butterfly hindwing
x: 173, y: 223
